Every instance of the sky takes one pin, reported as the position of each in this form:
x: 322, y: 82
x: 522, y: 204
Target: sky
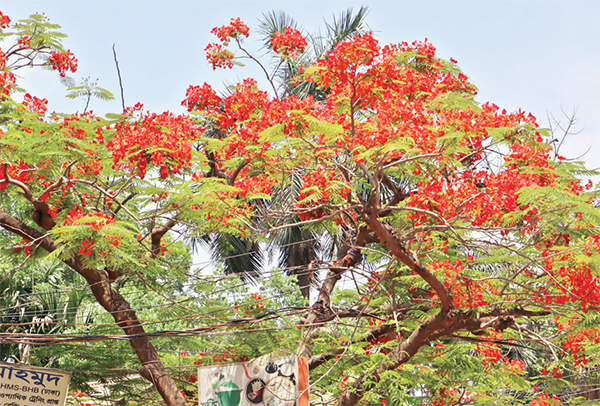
x: 540, y: 56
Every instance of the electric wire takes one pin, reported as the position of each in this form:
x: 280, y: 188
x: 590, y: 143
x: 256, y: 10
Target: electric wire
x: 191, y: 319
x: 142, y: 297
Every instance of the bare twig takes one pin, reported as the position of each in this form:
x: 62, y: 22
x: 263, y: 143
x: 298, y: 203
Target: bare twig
x: 120, y: 81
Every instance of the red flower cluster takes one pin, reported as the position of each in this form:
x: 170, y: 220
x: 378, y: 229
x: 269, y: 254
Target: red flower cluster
x: 86, y: 247
x: 545, y: 400
x: 255, y: 308
x: 35, y: 104
x: 465, y: 293
x: 99, y: 220
x: 21, y: 172
x: 72, y: 126
x: 349, y: 59
x: 235, y: 29
x: 516, y: 366
x: 247, y: 99
x: 376, y: 342
x: 229, y: 356
x: 244, y: 105
x: 361, y: 75
x: 7, y: 79
x: 319, y: 189
x: 96, y: 220
x: 202, y: 99
x: 4, y: 20
x: 218, y: 56
x: 491, y: 354
x: 25, y: 41
x: 74, y: 215
x: 573, y: 278
x: 63, y: 62
x: 261, y: 183
x: 28, y: 247
x: 162, y: 140
x: 574, y: 343
x: 451, y: 397
x: 289, y: 43
x: 423, y: 48
x: 79, y: 394
x: 555, y: 373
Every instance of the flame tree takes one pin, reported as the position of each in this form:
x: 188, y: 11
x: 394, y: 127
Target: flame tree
x: 475, y: 240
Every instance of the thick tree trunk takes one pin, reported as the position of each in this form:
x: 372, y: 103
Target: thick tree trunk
x: 435, y: 327
x: 300, y: 256
x: 323, y: 312
x: 152, y: 368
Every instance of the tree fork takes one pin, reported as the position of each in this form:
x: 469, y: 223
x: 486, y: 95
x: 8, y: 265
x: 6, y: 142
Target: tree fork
x: 152, y: 368
x: 333, y: 275
x: 113, y: 302
x: 434, y: 328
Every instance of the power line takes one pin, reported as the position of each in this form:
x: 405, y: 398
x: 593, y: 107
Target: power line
x: 143, y: 296
x: 146, y: 323
x: 45, y: 339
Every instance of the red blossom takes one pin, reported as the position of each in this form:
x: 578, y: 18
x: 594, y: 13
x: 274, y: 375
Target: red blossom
x: 577, y: 341
x: 24, y: 41
x: 97, y: 220
x: 451, y: 396
x: 235, y: 29
x: 218, y: 56
x: 544, y: 399
x: 465, y: 293
x: 35, y: 104
x: 63, y: 62
x: 4, y: 21
x: 258, y: 184
x: 289, y: 43
x: 202, y: 99
x: 349, y: 58
x: 7, y: 78
x: 161, y: 140
x: 86, y: 248
x: 28, y: 247
x: 319, y: 189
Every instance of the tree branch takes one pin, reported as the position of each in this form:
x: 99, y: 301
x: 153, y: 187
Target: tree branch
x: 40, y: 216
x: 156, y: 236
x: 407, y: 257
x: 114, y: 303
x: 120, y: 81
x: 433, y: 328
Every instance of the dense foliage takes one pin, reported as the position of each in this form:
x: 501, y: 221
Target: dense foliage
x: 469, y: 248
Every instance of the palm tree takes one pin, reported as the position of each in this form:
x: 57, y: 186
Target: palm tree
x: 295, y: 247
x: 41, y: 300
x: 340, y: 29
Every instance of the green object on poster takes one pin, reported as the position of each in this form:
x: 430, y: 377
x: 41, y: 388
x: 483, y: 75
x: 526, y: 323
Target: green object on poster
x: 229, y: 395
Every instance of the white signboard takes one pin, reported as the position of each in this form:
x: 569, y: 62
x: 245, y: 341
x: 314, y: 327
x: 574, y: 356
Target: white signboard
x: 265, y: 381
x: 25, y: 385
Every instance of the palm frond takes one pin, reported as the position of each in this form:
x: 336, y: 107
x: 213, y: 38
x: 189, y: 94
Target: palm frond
x: 347, y: 24
x: 340, y: 29
x: 272, y: 22
x: 238, y: 256
x: 297, y: 248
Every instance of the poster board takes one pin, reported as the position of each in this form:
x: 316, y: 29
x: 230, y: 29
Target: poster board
x: 26, y: 385
x: 264, y: 381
